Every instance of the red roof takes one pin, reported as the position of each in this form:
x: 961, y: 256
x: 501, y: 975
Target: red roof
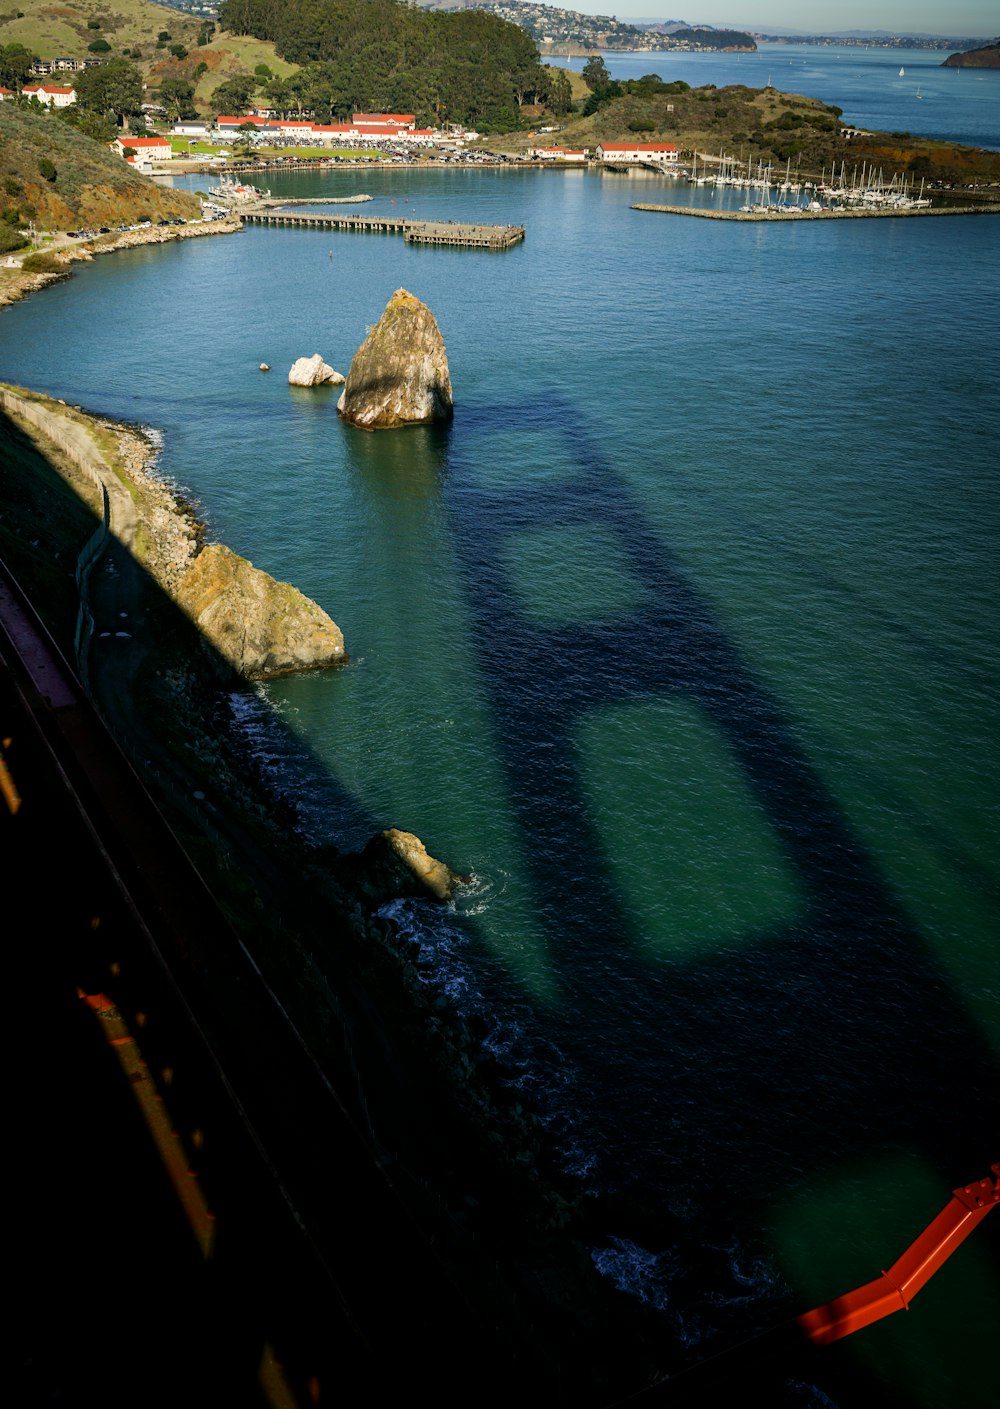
x: 257, y: 121
x: 138, y: 142
x: 45, y: 88
x: 638, y: 147
x: 394, y: 119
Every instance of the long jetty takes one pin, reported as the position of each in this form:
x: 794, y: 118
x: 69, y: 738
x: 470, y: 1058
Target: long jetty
x: 414, y: 232
x: 777, y: 216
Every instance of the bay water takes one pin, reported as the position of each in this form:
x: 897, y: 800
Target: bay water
x: 680, y: 642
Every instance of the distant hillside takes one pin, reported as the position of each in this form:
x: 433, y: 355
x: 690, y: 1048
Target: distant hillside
x: 132, y: 28
x: 91, y: 185
x: 764, y: 124
x: 63, y: 30
x: 986, y: 57
x: 556, y: 29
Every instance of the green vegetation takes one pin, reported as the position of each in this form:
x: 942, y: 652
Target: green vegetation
x: 15, y: 65
x: 11, y: 238
x: 49, y: 29
x: 53, y: 174
x: 113, y: 90
x: 41, y: 263
x: 383, y: 55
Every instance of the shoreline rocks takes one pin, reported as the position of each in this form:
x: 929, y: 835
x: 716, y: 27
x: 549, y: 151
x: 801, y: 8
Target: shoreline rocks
x: 263, y: 627
x: 396, y: 863
x: 399, y: 375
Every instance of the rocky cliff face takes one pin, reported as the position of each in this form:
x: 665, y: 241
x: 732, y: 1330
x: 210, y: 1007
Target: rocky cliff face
x: 399, y: 376
x: 262, y: 627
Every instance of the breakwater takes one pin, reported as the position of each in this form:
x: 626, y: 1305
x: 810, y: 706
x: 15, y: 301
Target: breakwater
x: 776, y: 215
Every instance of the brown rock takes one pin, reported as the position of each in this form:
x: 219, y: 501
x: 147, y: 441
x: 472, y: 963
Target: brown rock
x: 262, y: 627
x: 399, y: 376
x: 396, y: 863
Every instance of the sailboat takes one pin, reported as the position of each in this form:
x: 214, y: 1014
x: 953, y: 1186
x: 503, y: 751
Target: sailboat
x: 902, y: 73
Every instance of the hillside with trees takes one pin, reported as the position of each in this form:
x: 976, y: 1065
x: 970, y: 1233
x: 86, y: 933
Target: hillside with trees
x: 385, y: 56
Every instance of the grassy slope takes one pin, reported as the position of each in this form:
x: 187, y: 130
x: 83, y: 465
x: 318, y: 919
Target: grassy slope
x: 60, y: 30
x: 93, y: 186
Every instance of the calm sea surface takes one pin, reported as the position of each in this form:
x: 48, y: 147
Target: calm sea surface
x: 681, y: 641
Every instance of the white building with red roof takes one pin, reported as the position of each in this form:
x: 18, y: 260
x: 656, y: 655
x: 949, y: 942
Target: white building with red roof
x: 145, y: 148
x: 574, y: 154
x: 639, y: 151
x: 53, y: 95
x: 391, y: 122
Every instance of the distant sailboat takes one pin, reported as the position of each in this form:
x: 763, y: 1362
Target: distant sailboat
x: 902, y: 73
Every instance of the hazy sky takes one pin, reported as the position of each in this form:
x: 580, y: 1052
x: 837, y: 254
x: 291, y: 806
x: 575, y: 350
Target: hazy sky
x: 980, y: 17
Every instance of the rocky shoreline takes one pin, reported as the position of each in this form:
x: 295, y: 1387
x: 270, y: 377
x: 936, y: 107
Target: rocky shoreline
x: 20, y: 284
x: 450, y: 1125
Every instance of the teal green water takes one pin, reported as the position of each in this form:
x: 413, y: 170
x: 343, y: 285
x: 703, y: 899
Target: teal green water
x: 681, y: 641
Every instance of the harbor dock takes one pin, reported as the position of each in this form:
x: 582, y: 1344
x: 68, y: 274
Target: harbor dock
x: 414, y: 232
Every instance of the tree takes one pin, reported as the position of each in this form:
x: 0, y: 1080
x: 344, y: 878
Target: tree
x: 246, y: 133
x: 560, y: 91
x: 47, y: 169
x: 15, y: 65
x: 114, y: 89
x: 99, y: 46
x: 177, y: 96
x: 92, y: 124
x: 595, y: 73
x: 178, y: 51
x: 235, y: 94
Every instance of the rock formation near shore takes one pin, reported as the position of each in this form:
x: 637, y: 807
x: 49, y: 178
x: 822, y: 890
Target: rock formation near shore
x: 262, y: 627
x: 399, y: 375
x: 396, y: 863
x: 313, y: 371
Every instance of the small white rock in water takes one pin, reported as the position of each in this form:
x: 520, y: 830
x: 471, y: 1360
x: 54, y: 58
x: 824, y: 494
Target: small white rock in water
x: 312, y: 371
x: 264, y: 367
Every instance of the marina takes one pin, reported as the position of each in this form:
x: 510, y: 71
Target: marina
x: 801, y: 213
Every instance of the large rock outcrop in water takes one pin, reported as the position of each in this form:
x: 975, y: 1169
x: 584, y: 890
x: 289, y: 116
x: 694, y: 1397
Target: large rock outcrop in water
x: 399, y: 376
x: 262, y: 627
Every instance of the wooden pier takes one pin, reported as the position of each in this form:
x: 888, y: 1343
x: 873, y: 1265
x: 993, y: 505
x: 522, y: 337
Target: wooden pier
x: 414, y: 232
